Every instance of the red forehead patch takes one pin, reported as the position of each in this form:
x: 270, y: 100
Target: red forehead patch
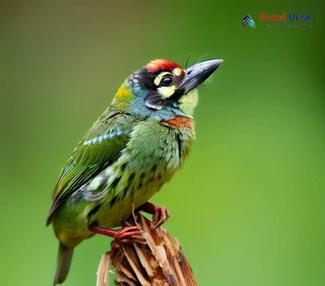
x: 161, y: 65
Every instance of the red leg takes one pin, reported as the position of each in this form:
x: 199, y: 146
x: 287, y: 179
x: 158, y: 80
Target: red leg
x: 160, y: 214
x: 127, y: 234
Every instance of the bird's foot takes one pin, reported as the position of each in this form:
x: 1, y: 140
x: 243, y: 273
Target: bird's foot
x: 160, y: 214
x: 127, y: 234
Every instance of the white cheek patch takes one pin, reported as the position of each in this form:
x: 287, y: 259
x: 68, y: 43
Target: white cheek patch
x: 166, y: 91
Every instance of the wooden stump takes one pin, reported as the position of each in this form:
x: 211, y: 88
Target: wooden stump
x: 159, y: 262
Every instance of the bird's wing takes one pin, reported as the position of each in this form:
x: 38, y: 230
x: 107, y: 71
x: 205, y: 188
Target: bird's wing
x: 98, y: 149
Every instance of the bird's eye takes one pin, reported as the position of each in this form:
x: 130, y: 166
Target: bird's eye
x: 166, y: 81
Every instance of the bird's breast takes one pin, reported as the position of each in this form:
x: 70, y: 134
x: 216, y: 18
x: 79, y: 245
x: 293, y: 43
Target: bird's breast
x: 153, y: 154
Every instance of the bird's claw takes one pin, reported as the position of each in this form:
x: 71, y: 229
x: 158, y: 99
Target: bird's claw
x: 160, y: 215
x: 128, y: 234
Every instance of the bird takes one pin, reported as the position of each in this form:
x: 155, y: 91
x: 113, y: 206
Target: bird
x: 130, y: 151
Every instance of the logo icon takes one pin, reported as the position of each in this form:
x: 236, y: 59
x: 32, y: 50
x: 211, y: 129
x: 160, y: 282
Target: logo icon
x: 248, y: 21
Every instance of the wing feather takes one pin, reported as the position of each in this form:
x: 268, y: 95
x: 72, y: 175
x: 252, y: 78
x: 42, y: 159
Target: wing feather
x: 99, y: 148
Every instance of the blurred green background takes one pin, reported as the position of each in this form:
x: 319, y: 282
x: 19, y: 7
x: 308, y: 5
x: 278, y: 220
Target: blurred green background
x: 249, y: 205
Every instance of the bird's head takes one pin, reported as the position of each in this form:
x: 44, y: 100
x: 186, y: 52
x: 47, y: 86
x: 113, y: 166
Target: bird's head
x: 163, y: 89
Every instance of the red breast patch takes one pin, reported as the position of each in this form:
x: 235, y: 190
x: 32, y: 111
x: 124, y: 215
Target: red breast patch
x: 179, y: 122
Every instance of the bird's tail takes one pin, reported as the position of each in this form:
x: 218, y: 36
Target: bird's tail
x: 63, y: 263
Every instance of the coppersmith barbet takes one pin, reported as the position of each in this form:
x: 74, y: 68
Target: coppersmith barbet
x: 133, y: 148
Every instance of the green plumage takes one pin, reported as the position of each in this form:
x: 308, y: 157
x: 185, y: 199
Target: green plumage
x: 104, y: 181
x: 126, y: 156
x: 63, y: 263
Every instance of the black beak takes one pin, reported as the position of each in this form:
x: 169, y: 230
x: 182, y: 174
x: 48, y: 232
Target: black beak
x: 197, y: 74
